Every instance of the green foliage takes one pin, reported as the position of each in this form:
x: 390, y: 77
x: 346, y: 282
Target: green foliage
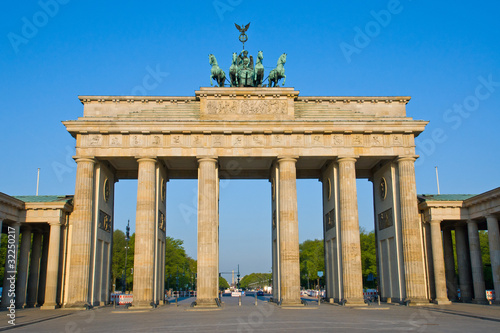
x: 312, y: 260
x: 223, y: 284
x: 368, y: 256
x: 118, y: 264
x: 484, y: 243
x: 180, y: 269
x: 256, y: 280
x: 3, y: 255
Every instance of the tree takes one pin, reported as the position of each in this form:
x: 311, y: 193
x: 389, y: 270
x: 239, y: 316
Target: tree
x: 180, y: 269
x: 312, y: 260
x: 256, y: 280
x: 368, y: 256
x: 118, y: 264
x: 223, y: 284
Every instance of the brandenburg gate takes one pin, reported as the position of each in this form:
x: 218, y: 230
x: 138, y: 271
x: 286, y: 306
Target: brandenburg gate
x: 252, y: 133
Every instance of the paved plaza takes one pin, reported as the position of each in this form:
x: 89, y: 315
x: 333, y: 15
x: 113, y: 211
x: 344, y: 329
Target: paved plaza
x: 265, y: 317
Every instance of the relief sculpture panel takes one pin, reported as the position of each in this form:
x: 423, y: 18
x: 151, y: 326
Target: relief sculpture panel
x: 247, y: 107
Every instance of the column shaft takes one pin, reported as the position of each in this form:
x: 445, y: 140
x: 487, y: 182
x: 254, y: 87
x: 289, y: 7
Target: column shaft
x: 494, y: 240
x: 289, y: 233
x: 463, y: 260
x: 476, y: 264
x: 145, y: 240
x: 438, y: 261
x: 208, y: 233
x: 449, y: 260
x: 352, y: 277
x: 34, y: 274
x: 52, y: 267
x: 22, y: 270
x: 410, y: 229
x: 82, y: 221
x: 9, y: 277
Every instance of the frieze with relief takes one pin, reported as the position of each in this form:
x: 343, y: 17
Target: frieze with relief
x: 247, y: 107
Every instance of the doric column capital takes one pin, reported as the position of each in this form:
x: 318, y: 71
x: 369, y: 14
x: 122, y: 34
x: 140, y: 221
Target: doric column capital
x: 146, y: 159
x: 491, y: 216
x: 212, y: 159
x: 470, y: 221
x: 347, y: 159
x: 79, y: 159
x: 287, y: 159
x: 406, y: 158
x: 433, y: 221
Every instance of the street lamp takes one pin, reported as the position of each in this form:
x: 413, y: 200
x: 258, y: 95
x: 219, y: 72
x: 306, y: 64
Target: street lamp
x: 127, y: 238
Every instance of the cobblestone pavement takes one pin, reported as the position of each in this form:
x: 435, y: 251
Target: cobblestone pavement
x: 265, y: 317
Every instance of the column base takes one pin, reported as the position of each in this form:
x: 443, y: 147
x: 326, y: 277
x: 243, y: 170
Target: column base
x: 480, y: 301
x: 291, y: 304
x: 49, y: 307
x: 206, y: 303
x: 417, y: 301
x: 354, y: 301
x: 141, y: 305
x: 442, y: 301
x: 21, y: 306
x: 467, y: 300
x: 75, y: 306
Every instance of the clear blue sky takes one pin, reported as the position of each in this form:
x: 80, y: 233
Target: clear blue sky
x: 445, y: 54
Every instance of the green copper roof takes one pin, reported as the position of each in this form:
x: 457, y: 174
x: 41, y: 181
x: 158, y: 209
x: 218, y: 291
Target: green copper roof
x: 444, y: 197
x: 45, y: 198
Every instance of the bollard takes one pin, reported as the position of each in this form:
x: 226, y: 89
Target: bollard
x: 319, y: 300
x: 239, y: 301
x: 378, y: 298
x: 176, y: 300
x: 255, y: 299
x: 114, y: 303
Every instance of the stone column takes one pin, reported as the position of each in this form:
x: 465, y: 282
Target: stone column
x: 476, y: 264
x: 410, y: 229
x: 9, y: 277
x: 438, y: 261
x: 22, y: 269
x: 449, y: 260
x: 289, y: 232
x: 82, y: 221
x: 463, y: 260
x: 43, y: 269
x: 208, y: 233
x: 352, y: 277
x: 494, y: 240
x: 52, y: 267
x: 145, y: 240
x: 33, y: 277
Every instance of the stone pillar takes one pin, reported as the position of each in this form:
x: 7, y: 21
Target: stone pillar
x: 352, y: 277
x: 82, y: 221
x: 476, y: 264
x: 410, y: 229
x: 145, y: 240
x: 43, y: 269
x: 438, y: 261
x: 463, y: 260
x: 494, y: 240
x: 33, y: 277
x: 9, y: 276
x: 22, y: 269
x: 449, y: 261
x: 52, y: 267
x: 208, y: 233
x: 289, y: 232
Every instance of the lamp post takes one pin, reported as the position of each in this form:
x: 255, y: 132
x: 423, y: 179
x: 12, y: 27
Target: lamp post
x: 127, y: 238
